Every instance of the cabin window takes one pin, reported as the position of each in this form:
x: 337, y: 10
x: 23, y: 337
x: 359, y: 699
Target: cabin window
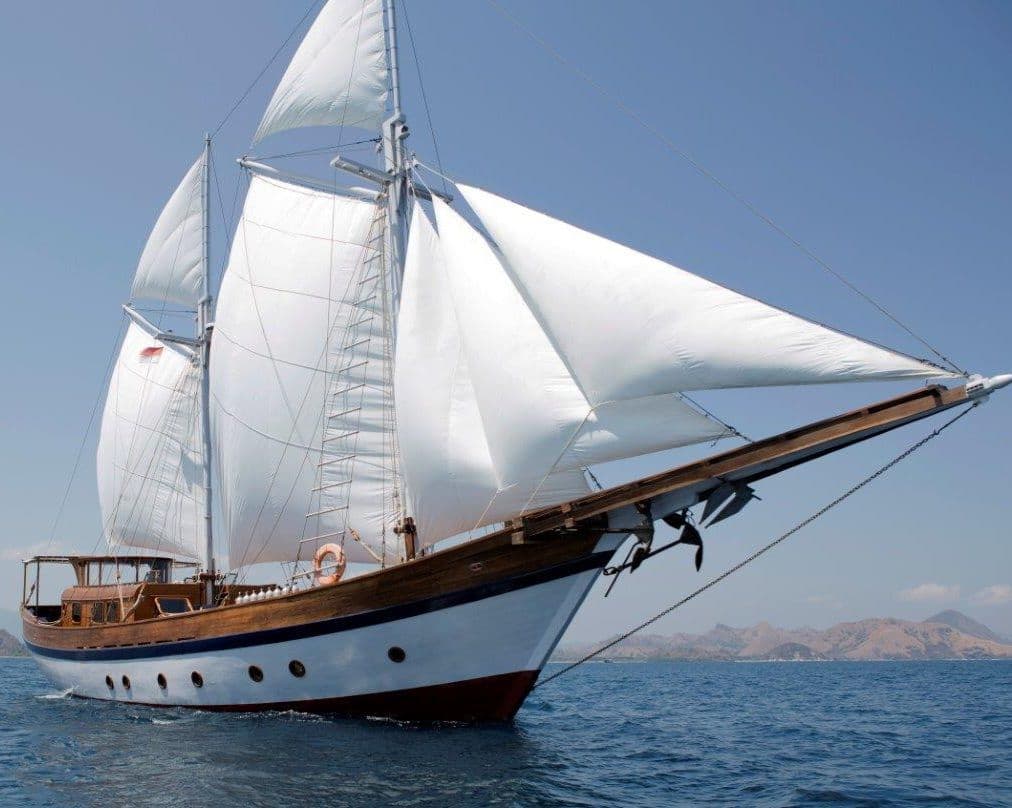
x: 98, y: 612
x: 197, y: 679
x: 75, y: 612
x: 173, y: 605
x: 112, y: 612
x: 162, y: 682
x: 126, y: 682
x: 296, y: 668
x: 255, y: 673
x: 109, y: 683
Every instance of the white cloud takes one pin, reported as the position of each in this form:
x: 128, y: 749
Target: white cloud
x: 994, y: 595
x: 929, y: 592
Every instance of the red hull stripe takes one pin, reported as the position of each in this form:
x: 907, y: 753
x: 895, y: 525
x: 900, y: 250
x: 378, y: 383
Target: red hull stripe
x: 489, y: 698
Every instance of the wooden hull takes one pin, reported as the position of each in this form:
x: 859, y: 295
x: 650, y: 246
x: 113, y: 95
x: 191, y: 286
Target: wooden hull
x: 474, y: 625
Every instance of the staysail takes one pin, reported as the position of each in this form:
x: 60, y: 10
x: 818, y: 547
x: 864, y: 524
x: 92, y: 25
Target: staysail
x: 290, y: 295
x: 150, y: 479
x: 338, y: 76
x: 454, y: 484
x: 170, y: 268
x: 548, y: 349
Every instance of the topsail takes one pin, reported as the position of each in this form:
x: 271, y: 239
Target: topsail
x: 170, y: 267
x: 338, y: 76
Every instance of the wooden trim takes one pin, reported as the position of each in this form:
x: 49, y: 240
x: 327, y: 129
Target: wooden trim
x: 764, y: 457
x: 487, y: 562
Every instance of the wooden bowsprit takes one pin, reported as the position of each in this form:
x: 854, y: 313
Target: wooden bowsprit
x: 761, y: 551
x: 672, y: 491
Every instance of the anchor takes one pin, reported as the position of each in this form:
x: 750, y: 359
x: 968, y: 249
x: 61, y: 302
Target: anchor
x: 643, y: 549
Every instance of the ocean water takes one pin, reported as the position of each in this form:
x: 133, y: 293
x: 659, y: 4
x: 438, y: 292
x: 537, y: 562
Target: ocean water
x: 868, y: 734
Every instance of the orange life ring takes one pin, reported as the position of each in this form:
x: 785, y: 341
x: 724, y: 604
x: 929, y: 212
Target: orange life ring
x: 338, y: 567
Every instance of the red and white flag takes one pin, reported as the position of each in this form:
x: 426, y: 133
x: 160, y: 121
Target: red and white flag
x: 151, y: 354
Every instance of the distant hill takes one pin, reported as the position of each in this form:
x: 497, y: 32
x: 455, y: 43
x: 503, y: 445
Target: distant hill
x: 10, y: 621
x: 11, y: 645
x: 874, y: 639
x: 965, y: 624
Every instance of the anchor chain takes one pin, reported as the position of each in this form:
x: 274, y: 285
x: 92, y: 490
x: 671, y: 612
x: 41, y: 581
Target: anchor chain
x: 761, y: 551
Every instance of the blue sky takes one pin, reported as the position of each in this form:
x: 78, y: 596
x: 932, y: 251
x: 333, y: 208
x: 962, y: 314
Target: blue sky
x: 876, y: 133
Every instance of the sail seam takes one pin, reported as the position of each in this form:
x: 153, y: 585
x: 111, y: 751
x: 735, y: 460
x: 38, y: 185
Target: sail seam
x: 334, y: 240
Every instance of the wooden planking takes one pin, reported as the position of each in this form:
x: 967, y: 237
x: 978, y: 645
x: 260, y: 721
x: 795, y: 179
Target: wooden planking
x: 485, y: 560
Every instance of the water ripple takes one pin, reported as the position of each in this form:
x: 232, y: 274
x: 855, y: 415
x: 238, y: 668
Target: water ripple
x: 847, y: 734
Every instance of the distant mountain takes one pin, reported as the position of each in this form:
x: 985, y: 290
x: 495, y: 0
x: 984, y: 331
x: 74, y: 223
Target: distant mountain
x: 10, y: 645
x: 10, y: 621
x: 874, y: 639
x: 965, y: 624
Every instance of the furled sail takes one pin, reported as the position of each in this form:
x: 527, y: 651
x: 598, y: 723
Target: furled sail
x: 453, y: 483
x: 292, y: 294
x: 150, y: 479
x: 170, y: 266
x: 338, y: 76
x: 631, y: 325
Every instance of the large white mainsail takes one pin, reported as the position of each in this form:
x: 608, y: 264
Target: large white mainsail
x: 150, y: 479
x: 338, y: 76
x: 170, y: 268
x: 288, y: 295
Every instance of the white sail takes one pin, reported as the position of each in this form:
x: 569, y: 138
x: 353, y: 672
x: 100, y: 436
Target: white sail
x: 338, y: 76
x: 150, y: 480
x: 453, y: 484
x: 169, y: 270
x: 539, y: 414
x: 296, y: 261
x: 521, y: 361
x: 631, y: 325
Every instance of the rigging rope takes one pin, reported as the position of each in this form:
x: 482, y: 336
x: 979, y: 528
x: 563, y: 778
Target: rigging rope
x: 671, y: 146
x: 761, y: 551
x: 320, y: 149
x: 421, y: 87
x: 265, y: 68
x: 84, y: 440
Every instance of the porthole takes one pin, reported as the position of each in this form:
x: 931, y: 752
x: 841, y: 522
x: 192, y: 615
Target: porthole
x: 126, y: 682
x: 397, y: 654
x: 197, y: 679
x: 109, y: 683
x: 296, y: 668
x: 161, y: 681
x: 255, y: 673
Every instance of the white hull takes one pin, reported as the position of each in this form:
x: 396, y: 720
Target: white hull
x: 503, y: 634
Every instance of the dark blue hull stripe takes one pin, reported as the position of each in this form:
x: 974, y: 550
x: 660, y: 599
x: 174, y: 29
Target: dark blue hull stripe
x: 332, y: 625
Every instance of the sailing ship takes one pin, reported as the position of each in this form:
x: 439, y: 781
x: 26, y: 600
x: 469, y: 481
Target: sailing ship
x: 413, y: 380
